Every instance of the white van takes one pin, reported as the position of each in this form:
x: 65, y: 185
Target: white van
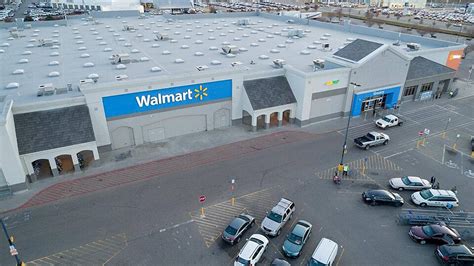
x: 324, y: 254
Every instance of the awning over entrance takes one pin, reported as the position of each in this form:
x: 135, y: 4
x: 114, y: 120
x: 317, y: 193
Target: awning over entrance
x: 421, y: 67
x: 270, y: 102
x: 46, y: 130
x: 269, y: 92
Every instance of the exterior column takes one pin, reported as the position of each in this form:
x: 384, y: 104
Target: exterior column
x: 54, y: 167
x: 280, y: 119
x: 254, y: 123
x: 77, y: 167
x: 267, y: 121
x: 417, y: 92
x: 293, y: 116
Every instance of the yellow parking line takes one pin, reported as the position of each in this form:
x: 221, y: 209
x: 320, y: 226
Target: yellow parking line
x: 74, y: 257
x: 110, y: 243
x: 339, y: 259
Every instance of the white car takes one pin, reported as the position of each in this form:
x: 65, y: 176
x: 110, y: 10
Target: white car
x: 252, y: 251
x: 409, y: 183
x: 388, y: 121
x: 435, y: 198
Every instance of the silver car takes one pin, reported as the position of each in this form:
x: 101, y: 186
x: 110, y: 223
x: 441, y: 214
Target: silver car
x: 234, y: 231
x: 277, y: 218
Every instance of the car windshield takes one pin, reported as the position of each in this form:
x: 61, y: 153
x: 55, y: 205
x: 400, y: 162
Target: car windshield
x: 427, y: 230
x: 426, y: 194
x: 314, y: 262
x: 386, y: 119
x: 405, y: 180
x: 243, y: 261
x: 294, y: 239
x: 274, y: 217
x: 231, y: 230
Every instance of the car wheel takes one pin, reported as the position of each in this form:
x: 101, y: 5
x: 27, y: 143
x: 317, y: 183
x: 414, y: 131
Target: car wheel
x: 423, y: 204
x: 237, y: 240
x: 367, y: 147
x: 423, y: 242
x: 291, y: 216
x: 385, y: 142
x: 252, y: 223
x: 278, y: 232
x: 398, y: 204
x: 373, y: 203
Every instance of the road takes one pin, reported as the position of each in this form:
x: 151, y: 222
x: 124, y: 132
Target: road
x: 158, y: 221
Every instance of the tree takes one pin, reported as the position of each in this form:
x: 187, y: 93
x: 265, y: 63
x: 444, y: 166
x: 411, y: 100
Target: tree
x: 9, y: 19
x: 306, y: 8
x: 212, y: 9
x: 369, y: 19
x: 28, y: 18
x: 339, y: 13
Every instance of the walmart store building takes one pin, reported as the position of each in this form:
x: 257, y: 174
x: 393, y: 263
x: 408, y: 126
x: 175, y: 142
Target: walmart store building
x: 71, y: 90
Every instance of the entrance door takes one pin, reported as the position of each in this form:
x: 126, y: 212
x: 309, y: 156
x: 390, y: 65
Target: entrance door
x: 221, y: 118
x: 122, y: 137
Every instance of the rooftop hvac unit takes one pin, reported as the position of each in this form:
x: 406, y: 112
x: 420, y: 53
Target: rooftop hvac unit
x: 121, y: 77
x: 83, y: 82
x: 318, y: 64
x: 120, y: 59
x: 128, y: 28
x: 45, y: 42
x: 278, y: 63
x: 201, y: 68
x: 325, y: 45
x: 230, y: 49
x: 161, y: 37
x: 298, y: 33
x: 45, y: 89
x: 413, y: 46
x: 243, y: 22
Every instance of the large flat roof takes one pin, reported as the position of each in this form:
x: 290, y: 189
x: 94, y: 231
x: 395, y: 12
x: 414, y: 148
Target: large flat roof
x: 84, y: 47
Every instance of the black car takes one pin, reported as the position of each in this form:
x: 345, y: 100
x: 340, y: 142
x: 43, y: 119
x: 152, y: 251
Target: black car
x: 237, y: 228
x: 455, y: 255
x: 380, y: 196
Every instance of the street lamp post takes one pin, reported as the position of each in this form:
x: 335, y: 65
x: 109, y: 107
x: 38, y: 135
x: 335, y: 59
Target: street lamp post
x: 11, y: 243
x: 446, y: 128
x: 344, y: 146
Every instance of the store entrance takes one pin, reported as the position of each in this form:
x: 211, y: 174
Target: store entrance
x: 373, y: 103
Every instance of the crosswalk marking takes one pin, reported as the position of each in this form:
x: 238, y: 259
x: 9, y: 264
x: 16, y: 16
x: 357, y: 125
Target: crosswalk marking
x: 218, y: 216
x: 94, y: 253
x: 375, y: 162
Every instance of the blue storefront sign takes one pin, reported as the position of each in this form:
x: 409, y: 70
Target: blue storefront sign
x: 162, y: 99
x: 391, y: 98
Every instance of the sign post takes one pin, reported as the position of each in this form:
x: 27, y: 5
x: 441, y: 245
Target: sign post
x: 426, y: 133
x: 202, y: 199
x: 456, y: 142
x: 446, y: 128
x: 232, y: 201
x: 418, y: 142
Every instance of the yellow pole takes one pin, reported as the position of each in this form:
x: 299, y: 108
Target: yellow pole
x: 444, y: 135
x: 233, y: 201
x: 202, y: 212
x: 418, y: 144
x: 454, y: 146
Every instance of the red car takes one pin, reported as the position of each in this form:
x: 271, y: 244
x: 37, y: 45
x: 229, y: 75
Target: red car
x: 434, y: 233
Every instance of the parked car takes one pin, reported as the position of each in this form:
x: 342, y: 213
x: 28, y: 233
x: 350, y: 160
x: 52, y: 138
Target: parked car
x: 371, y: 139
x: 380, y: 196
x: 324, y: 254
x: 252, y: 251
x: 277, y: 217
x: 472, y: 144
x: 388, y: 121
x: 234, y: 231
x: 297, y: 238
x: 435, y: 198
x: 434, y: 233
x: 409, y: 183
x: 454, y: 255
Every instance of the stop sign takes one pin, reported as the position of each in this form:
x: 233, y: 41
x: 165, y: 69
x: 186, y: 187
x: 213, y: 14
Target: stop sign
x: 202, y: 198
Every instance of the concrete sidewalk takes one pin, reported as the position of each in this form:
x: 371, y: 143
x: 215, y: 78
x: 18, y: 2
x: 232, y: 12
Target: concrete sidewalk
x: 177, y: 148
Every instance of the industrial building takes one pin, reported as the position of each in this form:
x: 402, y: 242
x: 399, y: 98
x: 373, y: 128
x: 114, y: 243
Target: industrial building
x: 70, y: 90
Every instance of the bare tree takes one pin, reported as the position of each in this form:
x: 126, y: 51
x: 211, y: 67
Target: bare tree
x: 212, y: 9
x: 339, y: 13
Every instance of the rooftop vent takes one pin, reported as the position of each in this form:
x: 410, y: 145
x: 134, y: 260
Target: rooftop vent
x: 103, y: 43
x: 45, y: 42
x: 161, y: 37
x: 128, y: 28
x: 53, y: 74
x: 198, y: 54
x: 82, y: 48
x: 178, y: 61
x: 318, y: 64
x: 254, y: 44
x: 93, y: 76
x: 53, y: 63
x: 289, y: 41
x: 155, y: 69
x: 325, y: 46
x: 12, y: 85
x: 278, y: 63
x: 274, y: 51
x: 184, y: 46
x: 79, y: 42
x: 236, y: 63
x: 26, y: 53
x: 213, y: 48
x: 215, y: 62
x: 311, y: 47
x: 281, y: 45
x: 211, y: 38
x: 107, y: 49
x: 263, y: 57
x: 120, y: 59
x: 243, y: 22
x: 85, y: 55
x: 155, y: 45
x: 327, y: 35
x: 88, y: 64
x: 413, y: 46
x: 166, y: 52
x: 144, y: 59
x: 23, y: 61
x: 305, y: 52
x: 30, y: 45
x: 55, y: 47
x: 135, y: 51
x: 121, y: 66
x: 2, y: 51
x: 84, y: 82
x: 323, y: 38
x: 99, y: 38
x: 201, y: 68
x: 18, y: 71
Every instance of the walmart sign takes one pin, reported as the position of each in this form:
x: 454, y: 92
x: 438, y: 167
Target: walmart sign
x: 162, y: 99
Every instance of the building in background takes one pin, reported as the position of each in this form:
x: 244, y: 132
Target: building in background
x: 98, y: 5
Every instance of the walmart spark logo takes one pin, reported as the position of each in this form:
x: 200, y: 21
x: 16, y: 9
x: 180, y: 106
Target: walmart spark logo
x: 200, y: 93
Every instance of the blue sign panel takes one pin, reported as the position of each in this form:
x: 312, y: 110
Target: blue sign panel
x: 162, y: 99
x: 391, y: 99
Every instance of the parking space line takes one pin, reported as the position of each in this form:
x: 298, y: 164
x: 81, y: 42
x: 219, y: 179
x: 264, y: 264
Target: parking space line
x: 339, y: 259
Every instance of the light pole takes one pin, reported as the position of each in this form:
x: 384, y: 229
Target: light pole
x: 446, y: 128
x: 344, y: 147
x: 11, y: 243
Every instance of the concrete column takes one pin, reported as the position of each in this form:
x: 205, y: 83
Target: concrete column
x: 138, y: 135
x: 417, y: 92
x: 280, y: 119
x: 267, y: 121
x: 447, y: 85
x: 54, y: 167
x: 254, y: 123
x: 75, y: 160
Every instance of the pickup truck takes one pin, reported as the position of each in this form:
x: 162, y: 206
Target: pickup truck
x: 371, y: 139
x: 388, y: 121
